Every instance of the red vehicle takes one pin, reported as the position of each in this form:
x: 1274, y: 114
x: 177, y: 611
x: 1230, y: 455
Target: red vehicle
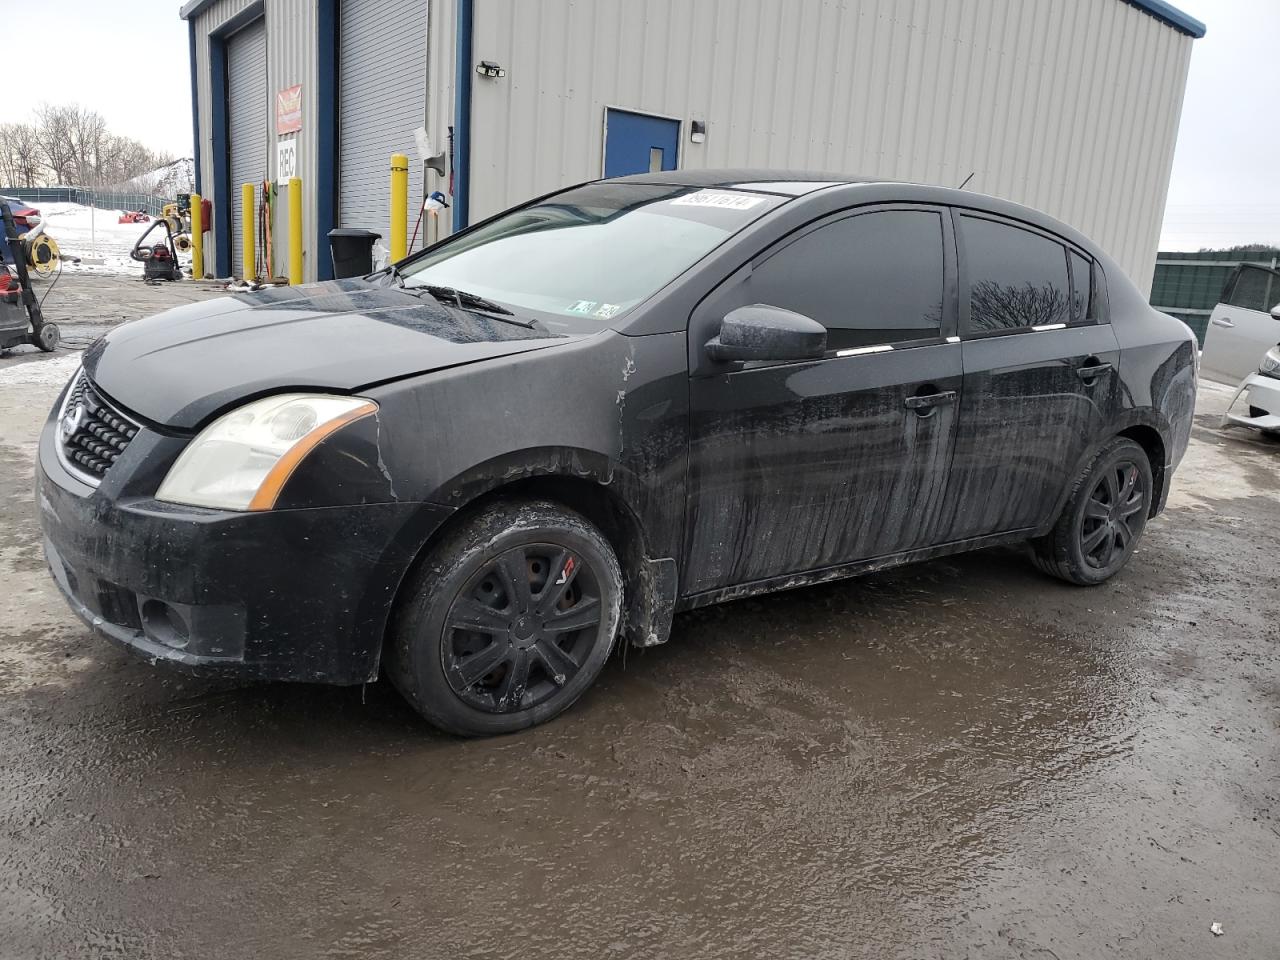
x: 24, y: 216
x: 134, y: 216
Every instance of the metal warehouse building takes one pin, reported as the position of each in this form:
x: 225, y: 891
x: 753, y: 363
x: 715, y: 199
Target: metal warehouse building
x: 1071, y: 106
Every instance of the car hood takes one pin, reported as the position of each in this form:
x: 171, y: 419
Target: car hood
x: 180, y: 367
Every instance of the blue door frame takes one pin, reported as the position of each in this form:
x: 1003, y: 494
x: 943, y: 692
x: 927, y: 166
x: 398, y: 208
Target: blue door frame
x: 639, y: 143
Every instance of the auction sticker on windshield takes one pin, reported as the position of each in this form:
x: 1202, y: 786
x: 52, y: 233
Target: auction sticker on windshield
x: 712, y: 198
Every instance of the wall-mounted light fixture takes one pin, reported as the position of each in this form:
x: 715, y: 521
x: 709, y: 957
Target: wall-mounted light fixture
x: 698, y: 131
x: 487, y: 68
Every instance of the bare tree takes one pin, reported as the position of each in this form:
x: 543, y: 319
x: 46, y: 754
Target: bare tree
x: 69, y: 144
x: 999, y: 307
x: 20, y: 164
x: 53, y: 133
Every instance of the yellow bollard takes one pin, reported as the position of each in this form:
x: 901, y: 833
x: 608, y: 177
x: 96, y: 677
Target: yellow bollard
x: 247, y: 224
x: 399, y: 206
x: 197, y: 238
x: 295, y: 230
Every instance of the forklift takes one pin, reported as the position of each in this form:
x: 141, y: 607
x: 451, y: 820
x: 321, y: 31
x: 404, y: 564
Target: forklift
x: 20, y: 318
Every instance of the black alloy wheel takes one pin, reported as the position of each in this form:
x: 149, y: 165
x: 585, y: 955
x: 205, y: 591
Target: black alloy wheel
x: 1107, y: 523
x: 522, y: 626
x: 507, y: 620
x: 1103, y: 519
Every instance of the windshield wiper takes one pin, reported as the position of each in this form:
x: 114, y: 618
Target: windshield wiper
x: 464, y: 299
x: 461, y: 299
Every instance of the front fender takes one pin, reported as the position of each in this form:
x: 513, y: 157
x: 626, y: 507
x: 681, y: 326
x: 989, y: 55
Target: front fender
x: 610, y: 409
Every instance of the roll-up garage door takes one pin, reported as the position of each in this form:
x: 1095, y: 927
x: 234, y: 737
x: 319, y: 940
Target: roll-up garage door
x: 382, y: 100
x: 246, y: 123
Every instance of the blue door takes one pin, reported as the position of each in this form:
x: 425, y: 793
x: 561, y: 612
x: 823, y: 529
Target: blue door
x: 639, y: 143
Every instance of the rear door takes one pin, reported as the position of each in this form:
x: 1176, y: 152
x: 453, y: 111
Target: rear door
x: 1040, y: 374
x: 1241, y: 329
x: 799, y: 466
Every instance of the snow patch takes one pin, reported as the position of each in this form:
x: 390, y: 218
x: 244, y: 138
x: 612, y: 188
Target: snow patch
x: 97, y: 236
x: 53, y: 372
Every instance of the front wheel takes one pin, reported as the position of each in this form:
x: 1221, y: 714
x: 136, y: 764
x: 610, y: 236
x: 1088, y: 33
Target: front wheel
x: 1103, y: 518
x: 508, y: 620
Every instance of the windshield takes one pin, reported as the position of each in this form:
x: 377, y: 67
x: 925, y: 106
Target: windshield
x: 587, y: 255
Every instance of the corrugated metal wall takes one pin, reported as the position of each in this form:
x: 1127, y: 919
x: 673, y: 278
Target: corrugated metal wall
x: 1071, y: 106
x: 441, y: 57
x: 246, y: 122
x: 382, y: 79
x: 291, y: 58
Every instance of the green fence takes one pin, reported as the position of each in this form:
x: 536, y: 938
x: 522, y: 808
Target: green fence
x: 1188, y: 285
x: 89, y: 196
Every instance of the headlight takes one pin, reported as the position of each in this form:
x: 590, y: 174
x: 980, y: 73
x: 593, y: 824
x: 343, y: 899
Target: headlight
x: 1270, y: 366
x: 242, y: 460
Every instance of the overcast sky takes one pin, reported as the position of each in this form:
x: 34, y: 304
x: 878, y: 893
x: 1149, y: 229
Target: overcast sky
x: 127, y: 59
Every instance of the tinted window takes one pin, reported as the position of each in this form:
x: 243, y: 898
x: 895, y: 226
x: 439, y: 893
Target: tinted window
x: 1082, y: 310
x: 870, y: 279
x: 1255, y: 289
x: 1016, y: 278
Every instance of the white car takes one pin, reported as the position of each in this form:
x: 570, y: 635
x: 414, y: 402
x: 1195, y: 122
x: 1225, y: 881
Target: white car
x: 1242, y: 346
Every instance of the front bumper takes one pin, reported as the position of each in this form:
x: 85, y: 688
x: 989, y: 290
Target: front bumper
x: 1262, y: 393
x: 280, y: 595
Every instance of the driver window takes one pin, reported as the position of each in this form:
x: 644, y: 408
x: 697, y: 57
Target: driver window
x: 870, y: 279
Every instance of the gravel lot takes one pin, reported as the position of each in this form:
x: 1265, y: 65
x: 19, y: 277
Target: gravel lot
x: 955, y: 759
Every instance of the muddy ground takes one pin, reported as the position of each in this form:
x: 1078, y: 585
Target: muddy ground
x: 957, y: 759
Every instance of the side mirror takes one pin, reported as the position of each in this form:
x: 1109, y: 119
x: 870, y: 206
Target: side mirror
x: 762, y: 332
x: 1275, y: 312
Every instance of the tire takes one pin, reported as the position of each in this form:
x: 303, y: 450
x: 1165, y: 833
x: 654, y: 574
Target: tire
x: 47, y: 338
x: 1103, y: 518
x: 487, y: 598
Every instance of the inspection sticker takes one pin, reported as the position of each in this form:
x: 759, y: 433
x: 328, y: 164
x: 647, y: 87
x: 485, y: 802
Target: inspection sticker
x: 583, y: 306
x: 607, y: 310
x: 711, y: 198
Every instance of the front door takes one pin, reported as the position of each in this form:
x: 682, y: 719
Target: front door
x: 1241, y: 328
x: 800, y: 466
x: 1041, y: 375
x: 639, y: 143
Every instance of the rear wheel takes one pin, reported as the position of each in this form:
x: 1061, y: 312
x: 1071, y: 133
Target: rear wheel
x: 508, y: 620
x: 1103, y: 519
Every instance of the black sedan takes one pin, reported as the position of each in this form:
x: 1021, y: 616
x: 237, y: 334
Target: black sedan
x: 477, y: 470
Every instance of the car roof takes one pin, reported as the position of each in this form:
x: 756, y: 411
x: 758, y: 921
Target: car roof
x: 800, y: 183
x: 791, y: 183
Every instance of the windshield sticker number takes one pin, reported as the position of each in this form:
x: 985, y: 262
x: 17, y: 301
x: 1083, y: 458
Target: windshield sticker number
x: 583, y: 306
x: 607, y: 310
x: 725, y: 201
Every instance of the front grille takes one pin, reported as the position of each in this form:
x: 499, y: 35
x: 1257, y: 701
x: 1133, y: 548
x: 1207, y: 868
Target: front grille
x: 91, y: 433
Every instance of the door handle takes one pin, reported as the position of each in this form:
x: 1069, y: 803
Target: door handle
x: 1092, y: 371
x: 929, y: 400
x: 1221, y: 322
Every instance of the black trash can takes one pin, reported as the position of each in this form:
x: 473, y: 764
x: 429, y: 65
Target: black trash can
x: 352, y: 251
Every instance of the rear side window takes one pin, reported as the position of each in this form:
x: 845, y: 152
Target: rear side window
x: 871, y: 279
x: 1082, y: 300
x: 1254, y: 288
x: 1017, y: 278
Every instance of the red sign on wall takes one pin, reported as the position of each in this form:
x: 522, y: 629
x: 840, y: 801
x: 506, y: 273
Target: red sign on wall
x: 289, y: 110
